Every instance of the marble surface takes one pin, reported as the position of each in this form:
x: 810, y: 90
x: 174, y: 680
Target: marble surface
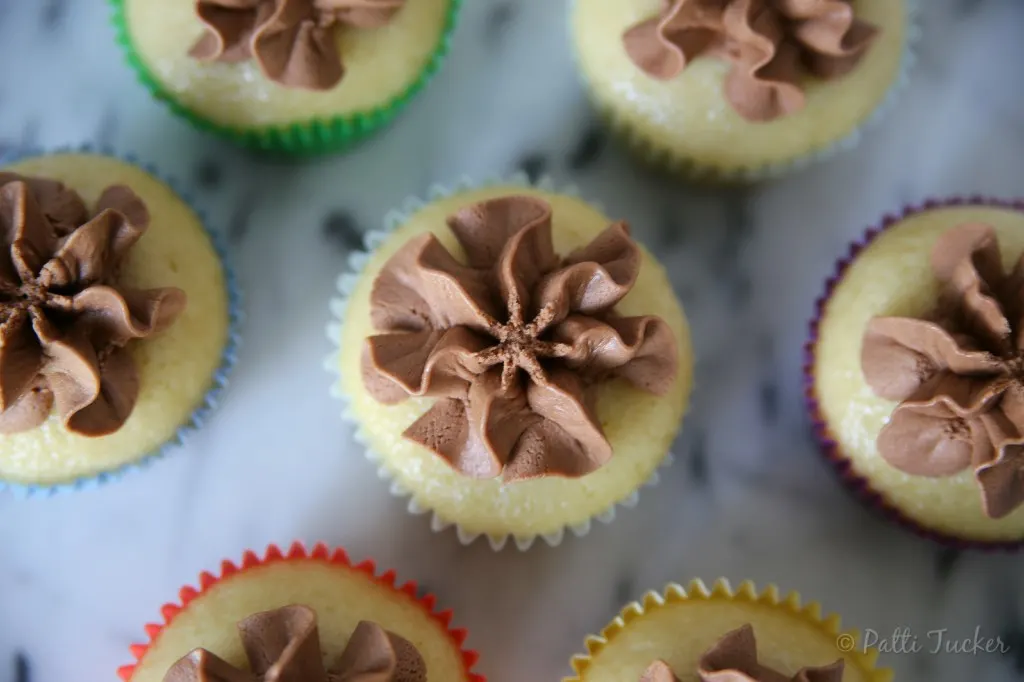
x: 746, y: 498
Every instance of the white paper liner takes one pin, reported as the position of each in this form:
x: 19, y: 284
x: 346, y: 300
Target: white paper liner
x: 346, y: 283
x: 693, y: 170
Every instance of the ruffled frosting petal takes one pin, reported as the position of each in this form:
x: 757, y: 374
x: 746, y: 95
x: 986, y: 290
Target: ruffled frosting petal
x: 425, y: 363
x: 1000, y: 469
x: 284, y: 645
x: 72, y: 371
x: 298, y: 48
x: 294, y: 42
x: 734, y: 659
x: 115, y: 317
x: 594, y: 278
x: 968, y: 263
x: 229, y: 28
x: 641, y: 350
x: 662, y: 46
x: 445, y: 430
x: 512, y: 236
x: 484, y: 229
x: 927, y: 440
x: 375, y: 655
x: 763, y: 82
x: 202, y: 666
x: 21, y: 358
x: 32, y: 236
x: 93, y: 252
x: 835, y: 39
x: 567, y: 440
x: 770, y: 45
x: 901, y: 354
x: 527, y: 254
x: 29, y: 410
x: 423, y: 286
x: 62, y: 206
x: 1002, y: 482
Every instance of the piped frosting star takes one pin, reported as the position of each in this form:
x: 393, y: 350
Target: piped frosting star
x: 512, y: 342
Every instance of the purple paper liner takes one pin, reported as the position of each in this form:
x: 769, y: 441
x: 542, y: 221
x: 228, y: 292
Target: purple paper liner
x: 858, y: 485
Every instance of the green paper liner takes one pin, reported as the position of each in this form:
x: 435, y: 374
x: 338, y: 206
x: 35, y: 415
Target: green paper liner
x: 310, y: 138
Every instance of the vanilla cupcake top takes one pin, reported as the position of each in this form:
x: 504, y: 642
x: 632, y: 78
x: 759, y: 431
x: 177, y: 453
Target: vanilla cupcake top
x: 284, y: 644
x: 958, y: 375
x: 513, y: 342
x: 65, y: 321
x: 734, y: 659
x: 771, y: 44
x: 293, y: 41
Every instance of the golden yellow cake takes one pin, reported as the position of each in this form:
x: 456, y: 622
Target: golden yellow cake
x: 538, y: 475
x: 687, y: 634
x: 668, y: 75
x: 895, y: 340
x: 126, y: 396
x: 285, y: 609
x: 286, y: 75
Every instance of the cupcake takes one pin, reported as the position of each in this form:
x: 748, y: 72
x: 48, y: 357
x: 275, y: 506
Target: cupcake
x: 719, y: 635
x: 302, y: 616
x: 740, y: 89
x: 515, y: 362
x: 914, y: 370
x: 293, y: 77
x: 118, y: 318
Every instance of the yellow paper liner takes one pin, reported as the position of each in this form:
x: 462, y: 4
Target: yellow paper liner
x: 865, y: 661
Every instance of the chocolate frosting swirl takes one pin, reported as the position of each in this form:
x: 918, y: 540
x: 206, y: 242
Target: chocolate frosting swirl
x: 959, y: 375
x: 64, y: 319
x: 292, y: 41
x: 513, y: 342
x: 770, y: 43
x: 284, y: 646
x: 734, y: 659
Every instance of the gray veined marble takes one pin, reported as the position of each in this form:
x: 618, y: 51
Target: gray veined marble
x: 746, y: 498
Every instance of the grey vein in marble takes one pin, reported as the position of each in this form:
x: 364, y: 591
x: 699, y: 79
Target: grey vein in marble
x: 747, y: 496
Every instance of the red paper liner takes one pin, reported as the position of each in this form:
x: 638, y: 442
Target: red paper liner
x: 856, y: 484
x: 297, y: 552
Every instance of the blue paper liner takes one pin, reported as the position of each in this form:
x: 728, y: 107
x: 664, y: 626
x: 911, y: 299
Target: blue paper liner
x: 229, y: 356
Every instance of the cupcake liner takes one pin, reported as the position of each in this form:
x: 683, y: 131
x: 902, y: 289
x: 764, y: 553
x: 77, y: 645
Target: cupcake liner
x: 345, y: 285
x: 859, y: 486
x: 219, y: 380
x: 298, y: 552
x: 313, y: 137
x: 846, y: 640
x: 659, y: 158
